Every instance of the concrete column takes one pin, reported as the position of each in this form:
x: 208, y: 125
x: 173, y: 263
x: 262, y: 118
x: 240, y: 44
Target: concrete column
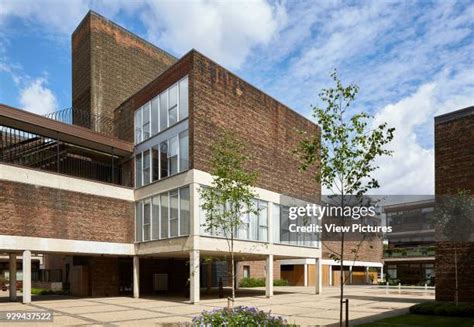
x: 367, y: 280
x: 381, y: 273
x: 269, y: 277
x: 136, y: 277
x: 12, y: 265
x: 194, y: 287
x: 319, y: 276
x: 305, y: 274
x: 26, y: 276
x: 330, y: 275
x: 350, y: 275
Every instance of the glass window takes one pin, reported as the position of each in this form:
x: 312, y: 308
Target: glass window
x: 155, y: 221
x: 174, y: 212
x: 138, y: 221
x: 146, y: 220
x: 253, y: 226
x: 163, y: 110
x: 183, y: 98
x: 173, y: 105
x: 138, y: 125
x: 276, y: 223
x: 183, y: 151
x: 164, y: 159
x: 138, y: 170
x: 173, y: 155
x: 155, y: 114
x: 146, y: 167
x: 263, y: 221
x: 184, y: 211
x: 146, y: 121
x: 164, y: 215
x: 155, y: 164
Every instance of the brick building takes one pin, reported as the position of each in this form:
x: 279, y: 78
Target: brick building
x: 110, y: 194
x: 454, y: 172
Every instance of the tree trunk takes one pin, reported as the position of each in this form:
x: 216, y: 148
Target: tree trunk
x: 341, y: 278
x: 233, y: 269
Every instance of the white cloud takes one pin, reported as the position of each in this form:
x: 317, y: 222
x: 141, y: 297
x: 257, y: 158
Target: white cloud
x: 411, y: 168
x: 224, y: 31
x: 36, y: 97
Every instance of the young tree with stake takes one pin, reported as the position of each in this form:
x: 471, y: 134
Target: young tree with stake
x: 343, y: 156
x: 230, y: 195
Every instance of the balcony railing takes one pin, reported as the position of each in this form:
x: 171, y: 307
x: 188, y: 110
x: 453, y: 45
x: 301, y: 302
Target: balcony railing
x: 35, y: 151
x: 425, y: 251
x: 96, y: 123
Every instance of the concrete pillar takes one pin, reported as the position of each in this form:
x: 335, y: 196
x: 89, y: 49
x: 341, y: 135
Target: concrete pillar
x: 194, y: 287
x: 319, y: 276
x: 381, y: 273
x: 305, y: 274
x: 269, y: 277
x: 12, y: 276
x: 350, y: 275
x: 330, y: 275
x: 367, y: 279
x: 136, y: 277
x: 26, y: 260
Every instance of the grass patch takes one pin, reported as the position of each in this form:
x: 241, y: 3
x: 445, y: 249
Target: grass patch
x: 422, y: 320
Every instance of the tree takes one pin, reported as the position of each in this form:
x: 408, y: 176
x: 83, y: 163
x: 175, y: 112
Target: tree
x: 343, y: 156
x: 230, y: 195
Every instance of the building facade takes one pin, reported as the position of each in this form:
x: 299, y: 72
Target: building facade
x: 454, y: 172
x: 409, y: 256
x: 110, y: 193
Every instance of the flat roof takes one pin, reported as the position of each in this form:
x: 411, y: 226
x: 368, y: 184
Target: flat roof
x: 454, y: 115
x: 77, y: 135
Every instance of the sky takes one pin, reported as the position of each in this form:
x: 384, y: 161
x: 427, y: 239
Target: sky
x: 412, y: 60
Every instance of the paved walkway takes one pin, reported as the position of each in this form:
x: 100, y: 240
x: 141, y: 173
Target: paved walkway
x: 297, y: 304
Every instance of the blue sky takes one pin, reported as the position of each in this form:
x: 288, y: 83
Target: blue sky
x: 412, y: 59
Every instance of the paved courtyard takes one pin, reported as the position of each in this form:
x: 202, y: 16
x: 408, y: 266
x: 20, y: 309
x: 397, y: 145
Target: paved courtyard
x: 297, y: 304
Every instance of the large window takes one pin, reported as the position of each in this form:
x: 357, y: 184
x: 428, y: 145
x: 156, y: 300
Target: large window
x: 253, y: 227
x: 282, y: 232
x: 163, y: 216
x: 163, y: 111
x: 162, y: 160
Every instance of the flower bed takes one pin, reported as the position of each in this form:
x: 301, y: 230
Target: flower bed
x: 238, y: 316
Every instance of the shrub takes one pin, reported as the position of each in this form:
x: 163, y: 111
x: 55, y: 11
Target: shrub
x: 252, y: 282
x: 43, y: 291
x: 280, y: 282
x: 444, y: 309
x: 260, y: 282
x: 238, y: 316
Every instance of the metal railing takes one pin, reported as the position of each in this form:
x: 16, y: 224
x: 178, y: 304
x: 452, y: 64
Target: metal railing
x: 97, y: 123
x: 420, y: 251
x: 39, y: 152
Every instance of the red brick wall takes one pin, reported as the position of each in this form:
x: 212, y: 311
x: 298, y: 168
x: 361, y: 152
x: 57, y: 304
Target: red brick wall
x: 104, y: 276
x: 222, y: 101
x: 367, y: 250
x: 109, y: 64
x: 257, y: 269
x: 454, y: 170
x: 29, y: 210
